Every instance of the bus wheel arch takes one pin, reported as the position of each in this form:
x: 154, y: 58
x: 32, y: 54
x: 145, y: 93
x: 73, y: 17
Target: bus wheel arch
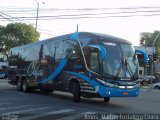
x: 75, y: 89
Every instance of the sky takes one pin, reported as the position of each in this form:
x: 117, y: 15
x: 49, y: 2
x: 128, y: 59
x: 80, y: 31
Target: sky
x: 122, y: 18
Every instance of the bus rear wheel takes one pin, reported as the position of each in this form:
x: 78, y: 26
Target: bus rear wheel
x: 19, y: 84
x: 25, y: 86
x: 76, y: 92
x: 106, y: 99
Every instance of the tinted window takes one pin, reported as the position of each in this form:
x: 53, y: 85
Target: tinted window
x: 69, y: 46
x: 130, y: 59
x: 113, y: 62
x: 59, y: 50
x: 85, y: 41
x: 94, y: 61
x: 48, y: 51
x: 23, y: 54
x: 33, y: 52
x: 14, y: 55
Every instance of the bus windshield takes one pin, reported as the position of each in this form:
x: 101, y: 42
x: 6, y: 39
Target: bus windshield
x: 121, y: 61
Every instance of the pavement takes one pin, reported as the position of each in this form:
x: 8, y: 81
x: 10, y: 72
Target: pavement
x: 60, y: 106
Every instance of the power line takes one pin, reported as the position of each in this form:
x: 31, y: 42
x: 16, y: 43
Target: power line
x: 51, y: 11
x: 71, y: 18
x: 10, y: 19
x: 84, y: 14
x: 6, y: 18
x: 108, y: 8
x: 118, y: 16
x: 76, y: 16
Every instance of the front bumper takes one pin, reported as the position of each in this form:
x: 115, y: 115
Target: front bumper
x: 115, y: 92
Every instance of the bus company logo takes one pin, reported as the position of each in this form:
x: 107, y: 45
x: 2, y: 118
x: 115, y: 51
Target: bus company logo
x: 33, y: 69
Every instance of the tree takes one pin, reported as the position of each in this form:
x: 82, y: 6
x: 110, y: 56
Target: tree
x: 16, y: 34
x: 2, y: 40
x: 149, y: 42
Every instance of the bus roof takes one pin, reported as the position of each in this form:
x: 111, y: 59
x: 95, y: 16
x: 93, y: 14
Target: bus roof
x: 98, y: 36
x: 106, y: 37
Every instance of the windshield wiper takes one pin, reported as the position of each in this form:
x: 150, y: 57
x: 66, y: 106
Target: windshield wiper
x: 128, y: 67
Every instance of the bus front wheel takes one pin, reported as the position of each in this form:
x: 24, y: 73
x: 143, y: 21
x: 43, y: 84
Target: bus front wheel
x: 106, y: 99
x: 76, y: 92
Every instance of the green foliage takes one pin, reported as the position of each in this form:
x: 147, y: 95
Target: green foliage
x: 16, y: 34
x: 149, y: 42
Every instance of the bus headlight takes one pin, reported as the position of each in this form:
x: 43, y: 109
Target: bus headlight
x: 118, y: 86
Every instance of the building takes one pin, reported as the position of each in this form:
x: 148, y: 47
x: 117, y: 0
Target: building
x: 146, y: 70
x: 143, y: 35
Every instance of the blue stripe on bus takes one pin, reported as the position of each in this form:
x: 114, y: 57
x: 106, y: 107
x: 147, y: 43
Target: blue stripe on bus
x: 61, y: 65
x: 55, y: 72
x: 92, y: 82
x: 105, y: 91
x: 74, y: 36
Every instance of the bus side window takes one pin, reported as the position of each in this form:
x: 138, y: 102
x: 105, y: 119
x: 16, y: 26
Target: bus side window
x: 68, y: 48
x: 59, y: 50
x: 94, y: 62
x: 14, y: 55
x: 45, y: 52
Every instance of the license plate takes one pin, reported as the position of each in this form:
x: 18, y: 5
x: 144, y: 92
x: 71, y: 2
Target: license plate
x: 125, y: 93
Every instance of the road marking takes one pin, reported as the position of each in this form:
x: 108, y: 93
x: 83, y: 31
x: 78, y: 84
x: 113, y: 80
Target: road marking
x: 46, y: 114
x: 77, y: 116
x: 24, y: 111
x: 2, y: 84
x: 13, y: 107
x: 3, y: 81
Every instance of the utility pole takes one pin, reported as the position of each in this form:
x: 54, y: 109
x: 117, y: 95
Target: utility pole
x: 145, y: 67
x: 152, y: 70
x: 77, y: 27
x: 37, y: 15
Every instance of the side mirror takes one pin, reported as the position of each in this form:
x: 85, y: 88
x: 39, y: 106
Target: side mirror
x: 102, y: 50
x: 142, y: 56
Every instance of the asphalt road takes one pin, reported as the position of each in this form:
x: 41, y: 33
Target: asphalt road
x: 60, y: 106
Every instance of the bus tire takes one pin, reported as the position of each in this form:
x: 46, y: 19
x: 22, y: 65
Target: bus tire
x: 19, y: 84
x: 25, y: 86
x: 76, y: 92
x: 106, y: 99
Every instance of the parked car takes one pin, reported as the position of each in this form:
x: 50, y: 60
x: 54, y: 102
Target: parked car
x: 145, y: 80
x: 156, y: 85
x: 3, y: 68
x: 2, y: 74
